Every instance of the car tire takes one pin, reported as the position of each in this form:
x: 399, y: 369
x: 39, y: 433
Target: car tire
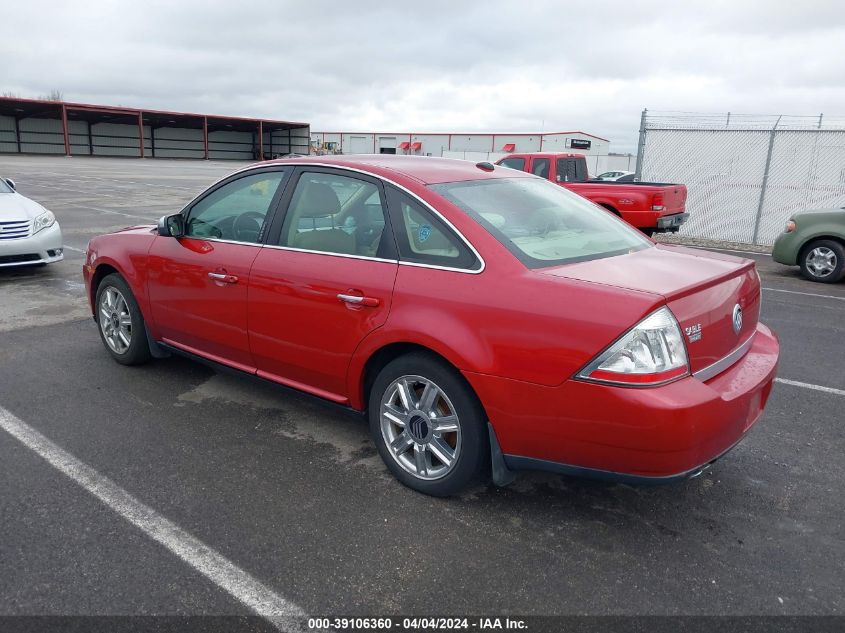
x: 414, y: 438
x: 120, y: 322
x: 823, y: 261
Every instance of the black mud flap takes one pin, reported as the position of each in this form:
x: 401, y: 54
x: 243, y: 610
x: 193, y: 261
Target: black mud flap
x: 502, y: 475
x: 156, y: 350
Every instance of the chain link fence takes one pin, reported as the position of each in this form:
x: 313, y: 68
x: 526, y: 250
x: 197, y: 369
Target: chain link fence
x: 745, y: 174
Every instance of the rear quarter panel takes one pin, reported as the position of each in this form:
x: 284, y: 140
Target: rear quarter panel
x: 523, y: 326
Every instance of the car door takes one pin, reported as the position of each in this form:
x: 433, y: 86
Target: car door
x: 323, y: 281
x: 198, y: 283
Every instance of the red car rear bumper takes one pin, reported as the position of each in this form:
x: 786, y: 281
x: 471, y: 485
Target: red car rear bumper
x: 653, y: 434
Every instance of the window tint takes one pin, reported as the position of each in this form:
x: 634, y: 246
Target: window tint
x: 571, y: 170
x: 514, y: 163
x: 542, y: 224
x: 540, y: 167
x: 237, y: 210
x: 423, y: 238
x: 336, y: 214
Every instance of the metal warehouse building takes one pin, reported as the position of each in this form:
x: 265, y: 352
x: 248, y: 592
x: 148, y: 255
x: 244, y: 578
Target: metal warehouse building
x: 29, y: 126
x: 469, y: 146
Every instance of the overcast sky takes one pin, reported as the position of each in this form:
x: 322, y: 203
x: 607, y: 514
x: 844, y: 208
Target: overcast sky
x: 515, y: 66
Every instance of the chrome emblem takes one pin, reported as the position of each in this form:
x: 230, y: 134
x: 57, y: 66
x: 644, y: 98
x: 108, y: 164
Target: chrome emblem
x: 693, y: 332
x: 737, y: 318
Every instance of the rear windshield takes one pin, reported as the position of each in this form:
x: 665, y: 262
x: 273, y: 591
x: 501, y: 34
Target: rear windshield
x: 543, y: 224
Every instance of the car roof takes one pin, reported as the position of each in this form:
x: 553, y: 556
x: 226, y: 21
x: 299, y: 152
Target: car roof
x: 425, y: 169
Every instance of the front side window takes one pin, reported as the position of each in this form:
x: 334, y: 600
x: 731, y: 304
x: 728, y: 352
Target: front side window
x: 423, y: 238
x: 4, y: 188
x: 331, y: 213
x: 514, y: 163
x: 236, y: 211
x: 541, y: 223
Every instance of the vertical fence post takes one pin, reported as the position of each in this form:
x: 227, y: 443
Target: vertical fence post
x: 261, y: 140
x: 819, y: 126
x: 765, y: 182
x: 641, y: 147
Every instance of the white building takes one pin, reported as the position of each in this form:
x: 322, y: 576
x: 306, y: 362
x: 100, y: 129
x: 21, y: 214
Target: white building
x: 468, y: 146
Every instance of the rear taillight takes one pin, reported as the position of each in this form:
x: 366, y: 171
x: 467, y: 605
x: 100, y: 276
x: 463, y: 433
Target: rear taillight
x: 650, y: 353
x: 657, y: 202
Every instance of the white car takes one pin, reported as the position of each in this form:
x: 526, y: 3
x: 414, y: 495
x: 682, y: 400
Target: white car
x: 29, y: 233
x: 613, y: 175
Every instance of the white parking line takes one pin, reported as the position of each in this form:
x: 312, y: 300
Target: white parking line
x: 806, y: 294
x: 73, y: 248
x: 807, y: 385
x: 214, y: 566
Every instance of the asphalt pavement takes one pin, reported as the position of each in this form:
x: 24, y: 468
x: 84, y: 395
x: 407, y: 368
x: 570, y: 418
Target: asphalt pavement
x: 292, y: 492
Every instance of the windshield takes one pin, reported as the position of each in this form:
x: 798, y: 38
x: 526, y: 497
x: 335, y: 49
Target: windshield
x: 4, y: 188
x: 541, y: 223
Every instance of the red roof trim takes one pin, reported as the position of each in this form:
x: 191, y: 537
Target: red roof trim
x: 92, y: 107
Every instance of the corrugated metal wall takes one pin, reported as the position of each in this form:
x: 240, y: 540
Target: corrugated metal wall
x: 173, y: 142
x: 8, y: 141
x: 33, y: 135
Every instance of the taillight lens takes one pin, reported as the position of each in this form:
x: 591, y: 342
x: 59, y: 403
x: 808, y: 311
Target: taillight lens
x: 650, y: 353
x: 657, y: 202
x: 790, y: 226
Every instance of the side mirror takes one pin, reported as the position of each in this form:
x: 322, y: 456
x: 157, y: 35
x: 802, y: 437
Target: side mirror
x: 171, y: 225
x: 11, y: 183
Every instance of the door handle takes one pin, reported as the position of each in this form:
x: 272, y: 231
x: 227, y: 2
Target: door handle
x: 359, y: 300
x: 226, y: 279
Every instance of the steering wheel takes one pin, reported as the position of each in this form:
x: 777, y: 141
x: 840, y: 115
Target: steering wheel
x: 247, y: 226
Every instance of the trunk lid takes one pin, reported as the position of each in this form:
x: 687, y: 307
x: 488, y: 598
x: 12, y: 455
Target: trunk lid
x: 701, y: 288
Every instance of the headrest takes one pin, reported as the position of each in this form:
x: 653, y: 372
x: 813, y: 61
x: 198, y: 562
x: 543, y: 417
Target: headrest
x: 317, y: 200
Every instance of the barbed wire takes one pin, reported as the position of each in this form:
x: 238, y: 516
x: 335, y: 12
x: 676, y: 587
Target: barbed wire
x: 678, y: 120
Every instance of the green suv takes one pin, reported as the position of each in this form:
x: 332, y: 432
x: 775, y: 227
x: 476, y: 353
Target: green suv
x: 815, y: 241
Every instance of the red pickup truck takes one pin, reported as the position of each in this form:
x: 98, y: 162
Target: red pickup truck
x: 652, y: 207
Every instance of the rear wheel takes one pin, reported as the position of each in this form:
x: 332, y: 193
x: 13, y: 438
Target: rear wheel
x: 120, y: 321
x: 823, y: 261
x: 427, y: 424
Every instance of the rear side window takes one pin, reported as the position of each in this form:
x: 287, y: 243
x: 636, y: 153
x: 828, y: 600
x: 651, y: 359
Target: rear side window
x: 423, y: 238
x: 571, y: 170
x: 331, y: 213
x: 514, y: 163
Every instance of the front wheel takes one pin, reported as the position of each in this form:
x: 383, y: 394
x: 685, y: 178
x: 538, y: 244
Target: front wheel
x: 427, y: 424
x: 120, y: 322
x: 823, y: 261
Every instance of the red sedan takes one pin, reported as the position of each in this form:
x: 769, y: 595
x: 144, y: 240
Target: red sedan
x: 484, y: 319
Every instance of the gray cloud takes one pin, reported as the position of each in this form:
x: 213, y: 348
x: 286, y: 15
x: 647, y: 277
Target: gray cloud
x: 434, y: 66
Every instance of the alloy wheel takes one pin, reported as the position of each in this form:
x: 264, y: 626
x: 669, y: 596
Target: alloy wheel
x: 821, y: 261
x: 115, y: 320
x: 420, y: 427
